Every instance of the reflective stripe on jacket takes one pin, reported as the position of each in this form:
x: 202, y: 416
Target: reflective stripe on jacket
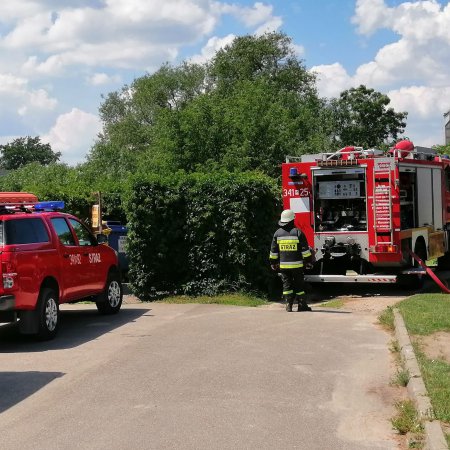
x: 289, y: 248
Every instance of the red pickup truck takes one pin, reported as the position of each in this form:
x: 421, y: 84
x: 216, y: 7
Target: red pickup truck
x: 48, y: 258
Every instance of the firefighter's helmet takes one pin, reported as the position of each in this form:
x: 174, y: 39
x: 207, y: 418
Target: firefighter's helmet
x: 286, y: 216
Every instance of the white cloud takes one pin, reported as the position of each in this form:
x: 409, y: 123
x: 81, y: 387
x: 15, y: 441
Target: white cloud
x: 131, y: 34
x: 425, y: 106
x: 260, y: 13
x: 99, y: 79
x: 421, y: 53
x: 332, y: 79
x: 423, y: 101
x: 73, y: 134
x: 271, y: 25
x: 213, y: 45
x: 259, y: 17
x: 370, y: 15
x: 299, y: 50
x: 10, y: 11
x: 120, y: 33
x: 16, y: 97
x: 10, y: 83
x: 414, y: 70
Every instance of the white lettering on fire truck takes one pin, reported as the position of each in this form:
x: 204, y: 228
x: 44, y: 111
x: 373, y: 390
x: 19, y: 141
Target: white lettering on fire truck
x: 95, y: 258
x: 302, y: 192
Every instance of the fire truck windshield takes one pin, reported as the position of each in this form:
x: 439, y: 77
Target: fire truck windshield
x: 340, y: 200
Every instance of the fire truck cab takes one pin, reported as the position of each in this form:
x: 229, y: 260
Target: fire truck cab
x: 364, y: 211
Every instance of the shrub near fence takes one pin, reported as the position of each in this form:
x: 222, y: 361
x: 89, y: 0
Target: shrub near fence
x: 201, y: 234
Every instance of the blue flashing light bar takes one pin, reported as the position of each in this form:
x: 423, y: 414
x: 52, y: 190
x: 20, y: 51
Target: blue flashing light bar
x: 50, y: 205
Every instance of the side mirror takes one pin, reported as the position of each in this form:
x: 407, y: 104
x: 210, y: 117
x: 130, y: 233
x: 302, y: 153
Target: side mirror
x: 102, y: 239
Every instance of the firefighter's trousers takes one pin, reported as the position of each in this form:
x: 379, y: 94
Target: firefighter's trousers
x: 293, y: 285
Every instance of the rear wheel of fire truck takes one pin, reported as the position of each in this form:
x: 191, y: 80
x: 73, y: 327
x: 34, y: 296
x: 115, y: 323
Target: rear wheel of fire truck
x: 110, y: 300
x: 47, y: 314
x: 444, y: 262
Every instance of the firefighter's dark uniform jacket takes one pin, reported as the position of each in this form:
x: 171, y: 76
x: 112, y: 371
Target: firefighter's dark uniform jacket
x: 289, y: 248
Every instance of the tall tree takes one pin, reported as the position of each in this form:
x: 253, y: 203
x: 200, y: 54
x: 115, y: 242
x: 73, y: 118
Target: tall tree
x: 25, y: 150
x: 442, y: 149
x: 251, y: 105
x: 362, y: 117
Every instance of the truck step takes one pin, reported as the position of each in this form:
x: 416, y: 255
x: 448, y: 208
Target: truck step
x: 373, y: 278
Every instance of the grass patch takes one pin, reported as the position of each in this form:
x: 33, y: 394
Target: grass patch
x: 436, y: 376
x: 416, y: 441
x: 332, y: 304
x: 395, y: 347
x: 447, y: 437
x: 225, y: 299
x: 426, y: 314
x: 401, y: 378
x: 407, y: 418
x: 386, y: 318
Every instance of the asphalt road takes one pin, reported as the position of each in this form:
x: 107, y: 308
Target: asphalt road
x: 159, y: 376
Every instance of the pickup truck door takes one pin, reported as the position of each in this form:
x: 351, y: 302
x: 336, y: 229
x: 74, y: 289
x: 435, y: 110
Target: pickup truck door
x: 94, y: 272
x: 71, y: 260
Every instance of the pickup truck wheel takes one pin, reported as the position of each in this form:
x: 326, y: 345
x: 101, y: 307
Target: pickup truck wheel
x: 110, y: 300
x: 48, y: 314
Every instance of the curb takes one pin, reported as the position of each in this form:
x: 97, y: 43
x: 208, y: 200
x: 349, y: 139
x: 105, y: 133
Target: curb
x: 434, y: 436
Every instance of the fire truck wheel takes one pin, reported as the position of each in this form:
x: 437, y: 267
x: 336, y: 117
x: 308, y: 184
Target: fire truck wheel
x: 364, y: 267
x: 444, y: 262
x: 110, y: 300
x: 48, y: 314
x: 410, y: 282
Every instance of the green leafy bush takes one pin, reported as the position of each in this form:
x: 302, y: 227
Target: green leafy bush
x: 201, y: 233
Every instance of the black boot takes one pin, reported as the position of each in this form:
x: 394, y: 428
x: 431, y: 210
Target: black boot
x: 289, y: 303
x: 303, y: 306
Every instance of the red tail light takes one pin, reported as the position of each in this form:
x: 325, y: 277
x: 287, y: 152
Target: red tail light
x: 9, y: 275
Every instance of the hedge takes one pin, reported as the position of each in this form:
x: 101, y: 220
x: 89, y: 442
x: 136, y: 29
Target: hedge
x: 201, y: 234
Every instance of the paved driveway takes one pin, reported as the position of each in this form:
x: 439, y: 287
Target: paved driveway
x: 161, y: 376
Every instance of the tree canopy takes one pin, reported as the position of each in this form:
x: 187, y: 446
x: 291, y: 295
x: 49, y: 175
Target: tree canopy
x: 25, y: 150
x: 361, y: 117
x: 246, y: 109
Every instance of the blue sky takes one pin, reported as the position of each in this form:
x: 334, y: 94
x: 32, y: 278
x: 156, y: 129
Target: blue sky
x: 57, y: 57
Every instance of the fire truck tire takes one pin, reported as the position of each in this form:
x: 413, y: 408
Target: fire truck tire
x: 410, y: 282
x: 365, y: 267
x: 110, y: 300
x: 47, y: 314
x: 444, y: 262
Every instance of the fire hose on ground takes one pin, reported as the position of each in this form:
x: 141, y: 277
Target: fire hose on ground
x: 433, y: 276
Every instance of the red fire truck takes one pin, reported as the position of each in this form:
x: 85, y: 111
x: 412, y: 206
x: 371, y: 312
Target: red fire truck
x: 364, y: 211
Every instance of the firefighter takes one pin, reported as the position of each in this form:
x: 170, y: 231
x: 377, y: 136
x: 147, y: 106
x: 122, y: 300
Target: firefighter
x: 288, y: 253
